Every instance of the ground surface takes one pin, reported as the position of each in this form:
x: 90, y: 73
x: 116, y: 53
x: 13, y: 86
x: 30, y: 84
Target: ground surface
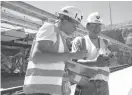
x: 11, y: 81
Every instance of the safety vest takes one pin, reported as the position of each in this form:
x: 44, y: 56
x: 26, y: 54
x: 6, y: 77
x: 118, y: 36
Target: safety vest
x: 46, y: 77
x: 102, y: 72
x: 96, y: 73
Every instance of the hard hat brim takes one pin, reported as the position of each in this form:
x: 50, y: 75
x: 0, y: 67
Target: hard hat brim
x: 95, y: 23
x: 70, y: 17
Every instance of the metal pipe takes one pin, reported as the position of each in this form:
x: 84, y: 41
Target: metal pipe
x: 11, y: 90
x: 110, y: 13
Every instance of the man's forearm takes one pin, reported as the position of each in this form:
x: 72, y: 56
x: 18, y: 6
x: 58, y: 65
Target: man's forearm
x: 94, y: 63
x: 50, y: 57
x: 88, y: 63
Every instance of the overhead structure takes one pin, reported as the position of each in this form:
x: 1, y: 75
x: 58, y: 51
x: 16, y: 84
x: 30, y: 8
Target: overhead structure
x: 9, y: 15
x: 27, y: 9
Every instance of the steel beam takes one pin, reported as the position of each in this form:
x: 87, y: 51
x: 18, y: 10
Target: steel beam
x: 18, y: 20
x: 27, y: 9
x: 16, y: 24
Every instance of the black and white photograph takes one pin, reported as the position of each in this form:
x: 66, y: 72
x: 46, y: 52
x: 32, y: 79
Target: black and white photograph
x: 66, y: 47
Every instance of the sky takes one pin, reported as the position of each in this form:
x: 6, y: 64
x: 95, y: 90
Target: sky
x: 120, y: 10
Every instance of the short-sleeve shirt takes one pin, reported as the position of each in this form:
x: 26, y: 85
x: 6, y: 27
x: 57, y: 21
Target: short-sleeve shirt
x: 46, y: 77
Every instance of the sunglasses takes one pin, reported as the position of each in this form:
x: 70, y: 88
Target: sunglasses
x: 95, y: 24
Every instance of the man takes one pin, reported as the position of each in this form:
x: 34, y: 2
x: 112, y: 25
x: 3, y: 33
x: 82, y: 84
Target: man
x: 46, y: 68
x: 93, y: 78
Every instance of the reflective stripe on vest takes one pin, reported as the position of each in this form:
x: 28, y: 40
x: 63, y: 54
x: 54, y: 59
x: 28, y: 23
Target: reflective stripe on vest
x: 45, y: 78
x: 92, y: 72
x: 103, y: 72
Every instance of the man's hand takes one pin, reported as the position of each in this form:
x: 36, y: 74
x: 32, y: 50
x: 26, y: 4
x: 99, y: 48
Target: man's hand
x: 79, y: 54
x: 102, y: 61
x: 113, y: 48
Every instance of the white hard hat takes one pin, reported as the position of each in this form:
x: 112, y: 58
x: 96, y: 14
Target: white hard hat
x: 94, y: 18
x: 72, y: 12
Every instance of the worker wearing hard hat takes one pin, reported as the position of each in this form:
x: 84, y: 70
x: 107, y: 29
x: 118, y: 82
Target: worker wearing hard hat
x: 93, y: 78
x: 46, y: 68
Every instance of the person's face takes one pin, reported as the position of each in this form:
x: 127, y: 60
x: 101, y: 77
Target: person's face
x: 70, y: 26
x: 94, y: 29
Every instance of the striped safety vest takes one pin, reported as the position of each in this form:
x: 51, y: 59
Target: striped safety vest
x: 46, y: 77
x: 103, y: 72
x: 95, y: 73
